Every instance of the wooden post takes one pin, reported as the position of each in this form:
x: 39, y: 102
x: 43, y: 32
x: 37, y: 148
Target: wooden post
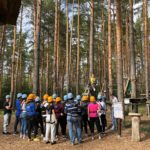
x: 135, y: 126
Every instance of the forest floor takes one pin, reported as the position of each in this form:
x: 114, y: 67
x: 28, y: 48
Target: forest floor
x: 109, y: 142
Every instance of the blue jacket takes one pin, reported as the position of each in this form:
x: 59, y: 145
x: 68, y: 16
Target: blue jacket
x: 18, y: 107
x: 31, y: 109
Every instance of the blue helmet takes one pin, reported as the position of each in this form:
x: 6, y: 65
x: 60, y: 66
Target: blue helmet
x: 7, y: 96
x: 78, y: 97
x: 54, y: 96
x: 70, y: 96
x: 24, y: 96
x: 65, y: 97
x: 100, y: 97
x: 19, y: 95
x: 37, y: 99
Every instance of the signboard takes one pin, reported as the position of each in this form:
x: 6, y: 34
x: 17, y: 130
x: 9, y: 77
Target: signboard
x: 118, y: 110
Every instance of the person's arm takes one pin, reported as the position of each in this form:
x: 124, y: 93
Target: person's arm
x: 53, y: 112
x: 88, y: 112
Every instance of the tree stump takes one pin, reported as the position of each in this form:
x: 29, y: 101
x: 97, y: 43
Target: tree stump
x: 135, y: 126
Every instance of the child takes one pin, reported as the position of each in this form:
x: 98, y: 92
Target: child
x: 102, y: 114
x: 59, y: 111
x: 39, y: 119
x: 31, y: 115
x: 84, y: 107
x: 50, y: 121
x: 23, y: 117
x: 7, y: 114
x: 93, y: 110
x: 18, y: 112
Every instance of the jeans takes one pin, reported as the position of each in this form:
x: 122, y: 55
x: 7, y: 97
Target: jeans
x: 23, y: 123
x: 7, y: 118
x: 114, y: 121
x: 74, y: 122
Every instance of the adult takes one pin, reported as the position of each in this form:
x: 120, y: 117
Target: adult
x: 7, y: 114
x: 73, y: 119
x: 18, y: 112
x: 93, y: 110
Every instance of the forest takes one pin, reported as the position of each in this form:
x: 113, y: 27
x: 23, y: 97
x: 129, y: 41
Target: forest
x: 57, y: 45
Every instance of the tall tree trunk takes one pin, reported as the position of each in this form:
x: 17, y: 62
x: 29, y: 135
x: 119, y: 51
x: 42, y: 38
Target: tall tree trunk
x: 55, y: 48
x: 58, y: 47
x: 67, y: 48
x: 37, y: 47
x: 13, y: 69
x: 2, y: 41
x: 109, y: 50
x: 47, y: 64
x: 19, y: 86
x: 91, y: 53
x: 70, y: 51
x: 41, y: 88
x: 119, y: 57
x: 127, y: 46
x: 145, y: 13
x: 78, y: 50
x: 132, y: 51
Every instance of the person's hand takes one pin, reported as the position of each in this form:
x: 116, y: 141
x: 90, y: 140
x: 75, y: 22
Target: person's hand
x: 88, y: 118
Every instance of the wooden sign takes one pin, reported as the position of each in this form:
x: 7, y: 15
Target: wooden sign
x: 118, y: 110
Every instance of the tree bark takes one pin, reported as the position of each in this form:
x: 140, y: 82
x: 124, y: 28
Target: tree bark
x: 109, y: 50
x: 37, y: 47
x: 13, y: 69
x: 146, y: 53
x: 55, y: 48
x: 132, y: 51
x: 2, y: 41
x: 67, y: 48
x: 91, y: 53
x: 78, y: 50
x: 119, y: 59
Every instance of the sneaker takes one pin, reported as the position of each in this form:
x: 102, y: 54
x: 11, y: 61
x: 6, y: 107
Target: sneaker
x: 72, y: 144
x: 92, y: 137
x: 64, y: 137
x: 54, y: 142
x: 4, y: 132
x: 29, y: 140
x: 21, y: 136
x: 81, y: 142
x: 99, y: 137
x: 14, y: 133
x: 24, y: 136
x: 47, y: 142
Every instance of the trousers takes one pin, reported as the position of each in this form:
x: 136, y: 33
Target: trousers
x: 7, y: 118
x: 50, y: 130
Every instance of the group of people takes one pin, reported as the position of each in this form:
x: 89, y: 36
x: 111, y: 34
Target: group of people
x: 44, y: 117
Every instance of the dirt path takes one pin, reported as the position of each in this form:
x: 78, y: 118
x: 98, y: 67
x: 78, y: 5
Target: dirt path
x: 109, y: 142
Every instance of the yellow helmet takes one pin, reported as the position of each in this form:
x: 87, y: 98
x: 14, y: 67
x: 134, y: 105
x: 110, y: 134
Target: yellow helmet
x: 85, y: 98
x: 45, y: 97
x: 30, y: 97
x: 50, y: 99
x: 34, y: 96
x: 92, y: 99
x: 58, y: 99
